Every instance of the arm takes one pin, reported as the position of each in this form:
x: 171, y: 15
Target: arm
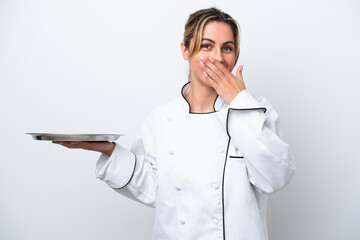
x: 254, y: 129
x: 132, y: 173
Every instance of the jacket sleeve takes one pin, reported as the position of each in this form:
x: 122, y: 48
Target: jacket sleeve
x: 132, y: 173
x: 253, y: 126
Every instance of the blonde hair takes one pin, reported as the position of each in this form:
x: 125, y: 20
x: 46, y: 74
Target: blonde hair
x: 195, y: 25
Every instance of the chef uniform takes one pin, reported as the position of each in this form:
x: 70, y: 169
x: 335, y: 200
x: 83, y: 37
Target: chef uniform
x: 207, y: 174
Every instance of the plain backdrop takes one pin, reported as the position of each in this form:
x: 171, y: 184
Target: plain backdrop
x: 87, y: 66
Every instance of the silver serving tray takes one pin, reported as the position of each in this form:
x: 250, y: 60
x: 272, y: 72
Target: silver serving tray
x: 75, y: 137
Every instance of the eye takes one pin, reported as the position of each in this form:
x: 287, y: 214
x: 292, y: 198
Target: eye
x: 206, y: 46
x: 228, y: 49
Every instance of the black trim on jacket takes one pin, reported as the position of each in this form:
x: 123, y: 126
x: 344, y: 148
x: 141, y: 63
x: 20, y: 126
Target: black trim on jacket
x: 131, y: 175
x: 226, y: 156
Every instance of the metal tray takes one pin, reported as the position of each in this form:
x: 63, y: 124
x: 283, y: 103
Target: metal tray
x: 75, y: 137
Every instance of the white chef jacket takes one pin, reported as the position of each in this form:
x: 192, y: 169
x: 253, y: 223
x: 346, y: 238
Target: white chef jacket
x: 207, y: 175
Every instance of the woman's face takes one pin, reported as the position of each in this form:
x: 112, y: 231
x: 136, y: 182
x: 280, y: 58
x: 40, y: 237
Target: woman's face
x: 217, y: 42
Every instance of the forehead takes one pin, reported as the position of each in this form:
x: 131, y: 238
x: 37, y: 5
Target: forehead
x: 218, y: 31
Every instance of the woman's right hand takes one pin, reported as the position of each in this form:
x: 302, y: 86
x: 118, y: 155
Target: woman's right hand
x: 102, y: 147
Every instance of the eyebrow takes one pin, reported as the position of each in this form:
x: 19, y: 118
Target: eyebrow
x: 210, y: 40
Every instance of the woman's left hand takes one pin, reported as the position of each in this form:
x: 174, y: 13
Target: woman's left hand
x: 222, y: 80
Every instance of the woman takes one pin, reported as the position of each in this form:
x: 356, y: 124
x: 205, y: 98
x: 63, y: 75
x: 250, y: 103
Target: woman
x: 208, y: 159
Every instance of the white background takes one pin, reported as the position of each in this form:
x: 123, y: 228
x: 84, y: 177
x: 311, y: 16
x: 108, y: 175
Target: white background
x: 87, y: 66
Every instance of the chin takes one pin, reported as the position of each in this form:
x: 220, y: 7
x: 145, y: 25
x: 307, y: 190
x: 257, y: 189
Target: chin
x: 204, y: 83
x: 201, y: 80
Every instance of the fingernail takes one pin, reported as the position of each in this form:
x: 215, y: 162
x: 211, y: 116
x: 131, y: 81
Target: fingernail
x: 203, y: 59
x: 202, y: 64
x: 205, y: 74
x: 212, y: 59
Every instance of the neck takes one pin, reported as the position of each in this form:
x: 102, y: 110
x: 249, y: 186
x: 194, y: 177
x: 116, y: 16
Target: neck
x: 201, y: 98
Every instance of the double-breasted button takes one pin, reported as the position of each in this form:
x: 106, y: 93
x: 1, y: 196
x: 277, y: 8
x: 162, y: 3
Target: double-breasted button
x: 251, y: 181
x: 215, y: 221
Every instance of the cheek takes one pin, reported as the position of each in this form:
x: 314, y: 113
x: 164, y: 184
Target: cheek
x: 196, y: 68
x: 230, y: 62
x: 202, y: 53
x: 195, y: 63
x: 197, y: 71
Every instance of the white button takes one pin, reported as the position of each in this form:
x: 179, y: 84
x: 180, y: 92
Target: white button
x: 182, y: 222
x: 216, y: 186
x: 178, y: 188
x: 169, y: 119
x: 171, y: 152
x: 215, y: 221
x: 251, y: 181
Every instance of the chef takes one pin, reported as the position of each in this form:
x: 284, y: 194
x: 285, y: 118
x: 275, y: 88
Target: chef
x: 207, y: 160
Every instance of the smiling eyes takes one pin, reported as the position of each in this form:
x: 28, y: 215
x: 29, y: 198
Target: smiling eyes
x: 208, y: 46
x: 228, y: 49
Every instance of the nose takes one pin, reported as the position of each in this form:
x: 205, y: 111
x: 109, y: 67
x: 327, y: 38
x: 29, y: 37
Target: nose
x: 218, y: 55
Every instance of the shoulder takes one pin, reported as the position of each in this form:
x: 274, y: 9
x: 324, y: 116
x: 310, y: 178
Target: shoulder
x: 164, y: 109
x: 248, y: 100
x: 271, y: 113
x: 255, y: 100
x: 155, y: 121
x: 263, y: 101
x: 160, y: 113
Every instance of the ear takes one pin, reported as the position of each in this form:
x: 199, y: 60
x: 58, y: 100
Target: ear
x: 184, y: 51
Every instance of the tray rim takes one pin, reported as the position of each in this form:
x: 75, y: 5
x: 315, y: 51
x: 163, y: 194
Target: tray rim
x: 91, y: 137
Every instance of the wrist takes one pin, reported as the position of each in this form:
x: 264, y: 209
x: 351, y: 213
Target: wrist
x: 109, y: 149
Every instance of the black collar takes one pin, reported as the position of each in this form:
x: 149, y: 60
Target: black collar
x: 219, y: 103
